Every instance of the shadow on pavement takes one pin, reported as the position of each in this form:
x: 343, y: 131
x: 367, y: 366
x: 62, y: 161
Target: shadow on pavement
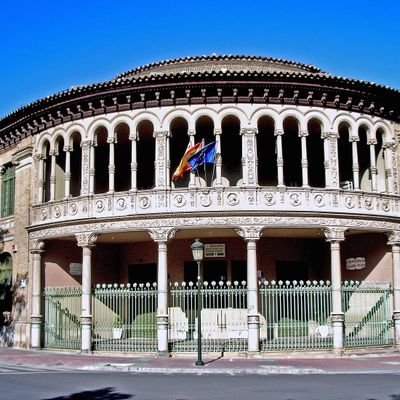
x: 98, y: 394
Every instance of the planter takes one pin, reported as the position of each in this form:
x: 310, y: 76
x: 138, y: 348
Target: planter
x: 117, y: 333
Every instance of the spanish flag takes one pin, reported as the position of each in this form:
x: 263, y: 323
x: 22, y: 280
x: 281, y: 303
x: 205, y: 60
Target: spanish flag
x: 184, y: 164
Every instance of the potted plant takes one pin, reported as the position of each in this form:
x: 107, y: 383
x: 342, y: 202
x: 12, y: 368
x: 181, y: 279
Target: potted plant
x: 117, y: 329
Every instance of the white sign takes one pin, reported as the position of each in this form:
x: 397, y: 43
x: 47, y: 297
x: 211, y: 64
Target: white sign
x: 214, y: 250
x: 75, y: 269
x: 355, y: 263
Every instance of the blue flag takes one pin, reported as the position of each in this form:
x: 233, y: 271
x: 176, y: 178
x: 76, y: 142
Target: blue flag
x: 205, y: 155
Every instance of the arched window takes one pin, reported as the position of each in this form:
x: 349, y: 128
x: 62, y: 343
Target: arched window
x: 380, y: 161
x: 101, y: 160
x: 59, y: 173
x: 76, y: 164
x: 46, y: 171
x: 145, y: 155
x: 7, y: 190
x: 364, y: 160
x: 291, y: 144
x: 122, y: 158
x: 205, y: 174
x: 315, y: 154
x: 179, y: 141
x: 231, y: 151
x: 266, y: 152
x: 345, y: 157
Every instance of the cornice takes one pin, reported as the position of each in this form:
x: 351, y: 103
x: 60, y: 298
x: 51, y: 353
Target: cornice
x: 278, y: 87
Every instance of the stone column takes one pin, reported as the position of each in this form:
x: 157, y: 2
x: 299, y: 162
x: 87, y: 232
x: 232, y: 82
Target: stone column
x: 111, y: 165
x: 86, y: 240
x: 389, y: 148
x: 373, y: 168
x: 279, y: 157
x: 53, y: 155
x: 251, y: 234
x: 218, y: 157
x: 168, y: 161
x: 249, y: 160
x: 87, y: 177
x: 161, y: 159
x: 133, y: 139
x: 356, y: 165
x: 394, y: 241
x: 192, y: 179
x: 304, y: 158
x: 331, y: 159
x: 334, y: 236
x: 40, y: 184
x: 161, y: 237
x: 67, y: 175
x: 92, y: 169
x: 37, y: 248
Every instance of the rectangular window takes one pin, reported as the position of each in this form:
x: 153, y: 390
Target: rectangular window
x: 7, y: 190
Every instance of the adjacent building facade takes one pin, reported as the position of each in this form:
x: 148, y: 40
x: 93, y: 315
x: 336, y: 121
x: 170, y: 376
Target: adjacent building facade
x: 303, y: 193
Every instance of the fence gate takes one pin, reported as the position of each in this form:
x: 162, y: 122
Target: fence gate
x: 367, y: 308
x: 124, y: 317
x: 62, y: 328
x: 295, y: 315
x: 223, y: 317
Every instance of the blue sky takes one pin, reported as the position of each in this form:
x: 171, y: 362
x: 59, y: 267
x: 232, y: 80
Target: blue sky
x: 48, y: 46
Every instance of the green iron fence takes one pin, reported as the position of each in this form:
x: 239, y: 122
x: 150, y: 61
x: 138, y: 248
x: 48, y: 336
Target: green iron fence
x: 124, y: 317
x: 223, y: 317
x: 295, y: 315
x: 367, y: 307
x: 62, y: 328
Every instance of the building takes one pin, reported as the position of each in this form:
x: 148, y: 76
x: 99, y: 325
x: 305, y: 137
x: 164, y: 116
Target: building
x: 303, y: 195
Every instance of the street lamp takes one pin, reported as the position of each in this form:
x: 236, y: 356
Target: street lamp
x: 198, y: 253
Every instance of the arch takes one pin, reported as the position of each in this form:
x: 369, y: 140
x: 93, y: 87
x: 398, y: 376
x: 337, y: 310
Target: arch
x: 46, y: 138
x: 72, y: 131
x: 295, y: 114
x: 118, y: 120
x: 178, y: 113
x: 386, y: 131
x: 179, y: 141
x: 315, y: 151
x: 266, y: 150
x: 206, y: 112
x: 343, y: 118
x: 292, y: 151
x: 261, y: 112
x: 146, y: 116
x: 95, y: 125
x: 122, y: 154
x: 146, y: 153
x: 237, y: 112
x: 320, y: 116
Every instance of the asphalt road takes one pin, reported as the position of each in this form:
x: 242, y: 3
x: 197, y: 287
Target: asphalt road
x: 23, y: 383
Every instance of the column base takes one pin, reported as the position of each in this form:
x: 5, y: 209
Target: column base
x: 163, y: 354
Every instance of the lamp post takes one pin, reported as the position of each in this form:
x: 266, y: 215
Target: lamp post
x: 198, y: 253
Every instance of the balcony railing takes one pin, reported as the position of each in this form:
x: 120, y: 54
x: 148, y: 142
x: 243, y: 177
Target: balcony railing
x: 216, y: 199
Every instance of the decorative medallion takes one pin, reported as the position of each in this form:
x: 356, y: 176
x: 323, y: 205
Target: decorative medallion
x: 319, y: 200
x: 99, y: 206
x: 232, y: 199
x: 179, y: 200
x: 120, y: 204
x: 269, y: 199
x: 144, y: 202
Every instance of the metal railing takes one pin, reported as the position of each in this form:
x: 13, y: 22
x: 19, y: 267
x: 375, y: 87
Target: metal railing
x: 295, y: 315
x: 124, y: 317
x: 223, y: 317
x: 62, y: 328
x: 367, y: 307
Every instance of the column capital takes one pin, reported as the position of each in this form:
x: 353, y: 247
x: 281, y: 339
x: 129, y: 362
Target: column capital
x: 334, y: 234
x: 67, y: 148
x: 86, y: 143
x: 162, y: 234
x: 86, y: 239
x: 217, y: 131
x: 133, y: 136
x: 354, y: 138
x: 191, y: 132
x: 372, y: 141
x: 331, y: 135
x: 37, y: 246
x: 249, y: 131
x: 302, y: 133
x: 393, y: 238
x: 278, y: 132
x: 160, y: 134
x: 249, y: 232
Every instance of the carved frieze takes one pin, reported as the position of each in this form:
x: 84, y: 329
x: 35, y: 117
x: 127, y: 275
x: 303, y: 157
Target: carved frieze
x: 86, y: 239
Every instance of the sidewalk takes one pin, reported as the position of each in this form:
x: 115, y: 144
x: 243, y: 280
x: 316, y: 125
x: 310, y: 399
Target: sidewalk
x: 381, y: 361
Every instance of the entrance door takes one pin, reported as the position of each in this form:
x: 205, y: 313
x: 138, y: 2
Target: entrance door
x: 142, y: 273
x: 291, y: 271
x: 214, y: 271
